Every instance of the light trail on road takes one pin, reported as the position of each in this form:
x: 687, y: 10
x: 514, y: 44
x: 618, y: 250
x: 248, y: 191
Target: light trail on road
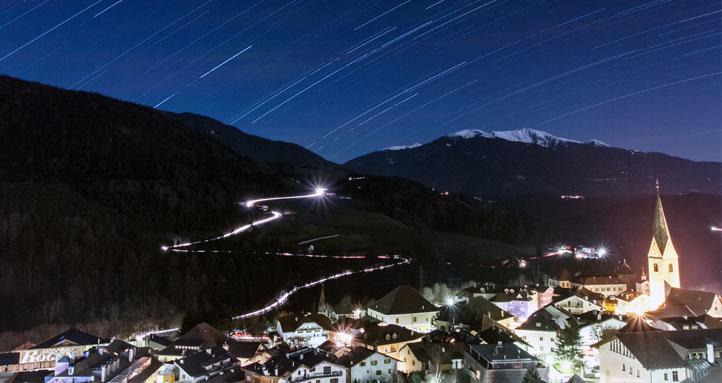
x: 283, y: 296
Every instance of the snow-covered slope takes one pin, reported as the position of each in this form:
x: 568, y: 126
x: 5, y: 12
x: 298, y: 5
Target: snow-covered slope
x: 403, y: 147
x: 525, y: 135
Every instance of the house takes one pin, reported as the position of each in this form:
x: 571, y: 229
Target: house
x: 117, y: 362
x: 518, y: 302
x: 205, y: 364
x: 580, y: 301
x: 201, y: 337
x: 539, y: 331
x: 432, y: 357
x: 475, y: 313
x: 650, y: 355
x: 405, y: 307
x: 607, y: 286
x: 368, y: 366
x: 386, y: 339
x: 309, y: 365
x: 502, y: 362
x: 43, y: 355
x: 594, y: 324
x: 309, y: 330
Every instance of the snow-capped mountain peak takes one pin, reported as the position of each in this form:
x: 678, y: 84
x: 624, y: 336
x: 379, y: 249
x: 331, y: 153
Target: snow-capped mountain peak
x: 524, y: 135
x: 471, y: 133
x: 403, y: 147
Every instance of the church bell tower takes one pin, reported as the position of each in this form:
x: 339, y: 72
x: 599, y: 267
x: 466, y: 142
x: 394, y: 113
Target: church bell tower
x: 662, y: 257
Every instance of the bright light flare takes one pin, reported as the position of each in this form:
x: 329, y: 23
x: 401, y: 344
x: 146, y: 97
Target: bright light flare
x: 715, y: 228
x: 319, y: 191
x: 449, y: 301
x: 602, y: 251
x: 344, y: 338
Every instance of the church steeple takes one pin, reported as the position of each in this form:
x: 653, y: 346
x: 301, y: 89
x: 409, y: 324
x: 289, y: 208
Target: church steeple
x: 662, y: 257
x: 660, y: 231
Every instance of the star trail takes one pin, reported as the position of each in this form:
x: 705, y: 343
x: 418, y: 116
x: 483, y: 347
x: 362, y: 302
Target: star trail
x: 344, y: 78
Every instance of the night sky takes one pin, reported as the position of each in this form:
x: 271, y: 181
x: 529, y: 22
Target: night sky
x: 345, y: 78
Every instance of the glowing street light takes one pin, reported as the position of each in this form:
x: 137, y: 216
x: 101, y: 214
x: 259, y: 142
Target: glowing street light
x: 449, y: 301
x: 319, y: 191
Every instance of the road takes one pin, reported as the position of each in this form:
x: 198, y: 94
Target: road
x: 387, y: 261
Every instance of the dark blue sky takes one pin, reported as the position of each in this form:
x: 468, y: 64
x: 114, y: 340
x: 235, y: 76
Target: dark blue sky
x: 346, y: 78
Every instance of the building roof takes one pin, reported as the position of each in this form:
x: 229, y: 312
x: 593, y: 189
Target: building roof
x: 494, y: 335
x: 441, y: 353
x: 71, y: 337
x: 243, y: 350
x: 116, y: 351
x: 387, y: 334
x: 9, y: 358
x: 403, y: 300
x: 355, y: 355
x: 499, y: 352
x: 283, y: 364
x: 201, y: 335
x: 697, y: 301
x: 637, y: 324
x: 660, y: 230
x: 604, y: 281
x: 655, y: 350
x: 291, y: 323
x: 30, y: 376
x: 651, y: 349
x: 204, y: 361
x: 515, y: 295
x: 540, y: 320
x: 471, y: 312
x: 154, y: 365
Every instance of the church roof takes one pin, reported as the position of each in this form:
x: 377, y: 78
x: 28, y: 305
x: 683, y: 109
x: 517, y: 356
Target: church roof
x: 660, y: 231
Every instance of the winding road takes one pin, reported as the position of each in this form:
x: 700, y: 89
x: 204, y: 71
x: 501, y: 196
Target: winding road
x: 282, y: 296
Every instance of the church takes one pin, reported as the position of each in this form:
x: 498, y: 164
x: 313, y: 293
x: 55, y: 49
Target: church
x: 666, y: 297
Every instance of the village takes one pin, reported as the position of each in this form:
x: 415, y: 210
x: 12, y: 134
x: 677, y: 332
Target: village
x: 574, y: 328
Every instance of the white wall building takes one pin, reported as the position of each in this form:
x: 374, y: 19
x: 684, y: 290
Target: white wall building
x: 405, y: 307
x: 660, y: 356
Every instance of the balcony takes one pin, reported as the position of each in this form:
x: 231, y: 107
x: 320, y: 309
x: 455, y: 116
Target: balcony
x: 319, y: 375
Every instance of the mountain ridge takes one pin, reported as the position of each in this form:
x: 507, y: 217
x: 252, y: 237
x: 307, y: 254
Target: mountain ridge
x: 535, y: 162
